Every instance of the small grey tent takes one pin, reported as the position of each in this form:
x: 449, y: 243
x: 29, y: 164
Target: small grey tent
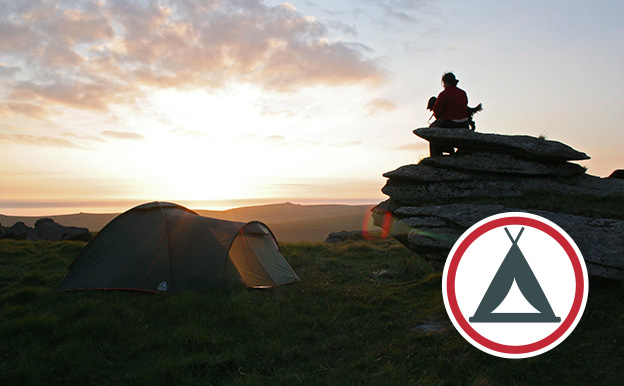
x: 167, y: 248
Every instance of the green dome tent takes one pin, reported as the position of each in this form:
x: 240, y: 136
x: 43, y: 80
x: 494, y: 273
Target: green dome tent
x: 166, y: 248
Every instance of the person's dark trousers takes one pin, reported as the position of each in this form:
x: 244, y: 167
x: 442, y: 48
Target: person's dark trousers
x: 435, y: 149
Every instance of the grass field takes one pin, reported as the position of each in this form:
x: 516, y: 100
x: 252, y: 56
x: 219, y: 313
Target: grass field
x: 356, y: 318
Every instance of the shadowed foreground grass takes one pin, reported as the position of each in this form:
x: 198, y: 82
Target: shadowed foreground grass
x: 351, y: 321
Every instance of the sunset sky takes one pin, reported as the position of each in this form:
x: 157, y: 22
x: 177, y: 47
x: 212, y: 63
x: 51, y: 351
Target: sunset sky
x: 108, y: 104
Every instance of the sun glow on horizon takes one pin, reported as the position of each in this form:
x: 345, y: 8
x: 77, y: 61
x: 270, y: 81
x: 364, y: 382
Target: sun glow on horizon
x: 195, y: 150
x: 243, y: 143
x: 216, y: 146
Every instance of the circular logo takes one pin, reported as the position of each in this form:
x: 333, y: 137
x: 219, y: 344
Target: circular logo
x: 515, y: 285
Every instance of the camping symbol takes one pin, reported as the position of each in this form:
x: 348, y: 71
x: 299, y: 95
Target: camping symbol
x: 514, y: 268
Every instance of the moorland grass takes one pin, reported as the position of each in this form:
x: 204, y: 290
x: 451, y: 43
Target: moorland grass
x: 350, y: 321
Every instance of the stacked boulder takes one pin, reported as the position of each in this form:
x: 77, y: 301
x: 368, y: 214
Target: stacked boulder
x: 45, y: 229
x: 433, y: 202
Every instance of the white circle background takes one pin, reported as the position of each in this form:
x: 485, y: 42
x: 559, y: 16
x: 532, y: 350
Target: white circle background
x: 548, y: 261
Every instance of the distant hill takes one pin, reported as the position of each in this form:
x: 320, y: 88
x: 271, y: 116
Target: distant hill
x: 289, y: 222
x: 93, y: 221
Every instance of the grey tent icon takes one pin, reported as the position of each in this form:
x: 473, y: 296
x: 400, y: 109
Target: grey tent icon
x: 514, y: 267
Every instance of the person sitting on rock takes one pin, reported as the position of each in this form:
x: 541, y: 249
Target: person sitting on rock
x: 450, y: 110
x: 451, y: 105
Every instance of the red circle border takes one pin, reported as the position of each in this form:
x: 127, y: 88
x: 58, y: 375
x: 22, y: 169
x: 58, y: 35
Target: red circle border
x: 578, y: 275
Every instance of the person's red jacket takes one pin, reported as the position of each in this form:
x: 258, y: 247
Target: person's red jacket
x: 452, y: 103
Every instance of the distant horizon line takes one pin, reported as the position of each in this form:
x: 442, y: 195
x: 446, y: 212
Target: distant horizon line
x: 28, y: 208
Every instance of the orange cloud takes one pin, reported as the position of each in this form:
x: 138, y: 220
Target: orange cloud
x: 122, y: 135
x: 38, y: 140
x: 380, y: 105
x: 90, y: 95
x: 23, y: 108
x: 92, y: 55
